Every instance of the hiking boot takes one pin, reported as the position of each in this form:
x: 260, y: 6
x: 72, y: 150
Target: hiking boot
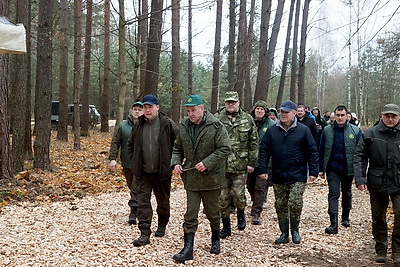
x: 380, y: 258
x: 256, y: 220
x: 132, y: 217
x: 345, y: 219
x: 160, y: 231
x: 226, y: 227
x: 241, y: 219
x: 187, y: 252
x: 333, y: 228
x: 215, y: 242
x: 141, y: 241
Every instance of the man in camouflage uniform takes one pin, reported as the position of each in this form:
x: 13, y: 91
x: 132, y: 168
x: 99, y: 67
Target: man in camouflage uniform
x: 244, y: 137
x: 204, y: 144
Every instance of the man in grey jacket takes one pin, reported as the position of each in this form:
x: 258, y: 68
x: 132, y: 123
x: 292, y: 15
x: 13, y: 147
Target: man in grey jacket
x: 379, y: 149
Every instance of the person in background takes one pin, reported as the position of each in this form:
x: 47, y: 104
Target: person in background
x: 338, y: 143
x: 302, y: 117
x: 199, y: 155
x: 242, y: 132
x: 257, y: 187
x: 377, y: 170
x: 119, y: 145
x: 327, y: 115
x: 150, y: 149
x: 354, y: 119
x: 307, y: 110
x: 319, y: 120
x: 273, y: 114
x: 294, y: 156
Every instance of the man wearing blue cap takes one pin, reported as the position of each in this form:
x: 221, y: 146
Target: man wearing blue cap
x: 294, y: 154
x: 150, y: 148
x: 119, y: 144
x: 204, y: 144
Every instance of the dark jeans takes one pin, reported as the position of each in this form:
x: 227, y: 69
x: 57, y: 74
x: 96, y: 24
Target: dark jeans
x: 379, y: 203
x: 131, y: 182
x: 162, y: 189
x: 336, y: 183
x: 211, y: 209
x: 258, y: 190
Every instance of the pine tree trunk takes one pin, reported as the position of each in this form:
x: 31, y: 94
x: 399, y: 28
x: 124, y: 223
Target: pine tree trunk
x: 216, y: 58
x: 231, y: 45
x: 143, y: 28
x: 176, y: 87
x: 302, y: 58
x: 293, y: 74
x: 105, y: 104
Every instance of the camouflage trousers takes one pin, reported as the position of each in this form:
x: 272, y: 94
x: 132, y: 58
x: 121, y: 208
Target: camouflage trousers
x: 289, y: 199
x: 233, y: 189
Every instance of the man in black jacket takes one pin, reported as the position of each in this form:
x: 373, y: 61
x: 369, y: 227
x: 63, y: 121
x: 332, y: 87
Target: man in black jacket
x: 150, y: 148
x: 379, y: 149
x: 303, y: 117
x: 294, y: 156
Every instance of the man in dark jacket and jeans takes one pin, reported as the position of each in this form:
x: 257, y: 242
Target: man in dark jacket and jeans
x: 204, y: 144
x: 294, y: 154
x: 379, y: 149
x: 338, y: 143
x: 150, y: 148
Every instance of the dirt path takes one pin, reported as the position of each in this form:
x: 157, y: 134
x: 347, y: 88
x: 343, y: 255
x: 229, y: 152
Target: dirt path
x: 92, y: 232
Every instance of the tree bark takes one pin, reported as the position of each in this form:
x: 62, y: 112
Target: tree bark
x: 216, y: 58
x: 62, y: 130
x: 261, y: 84
x: 143, y: 28
x: 190, y: 50
x: 247, y: 92
x: 154, y: 47
x: 77, y: 71
x: 28, y: 115
x: 293, y: 74
x: 240, y: 53
x: 176, y: 86
x: 285, y: 56
x: 231, y: 45
x: 18, y: 84
x: 105, y: 105
x: 43, y: 91
x: 121, y: 62
x: 302, y: 59
x: 86, y: 70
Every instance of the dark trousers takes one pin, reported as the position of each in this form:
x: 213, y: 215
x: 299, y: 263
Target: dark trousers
x: 337, y: 183
x: 258, y: 190
x: 131, y: 182
x: 379, y: 203
x: 211, y: 209
x: 162, y: 189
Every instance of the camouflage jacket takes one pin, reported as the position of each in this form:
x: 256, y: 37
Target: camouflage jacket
x: 210, y: 147
x: 244, y: 137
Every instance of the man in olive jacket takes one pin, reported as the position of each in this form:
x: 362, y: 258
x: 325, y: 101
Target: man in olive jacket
x: 150, y: 149
x: 204, y: 144
x: 379, y: 150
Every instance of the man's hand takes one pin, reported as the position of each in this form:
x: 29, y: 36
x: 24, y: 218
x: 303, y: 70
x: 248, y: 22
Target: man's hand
x: 200, y: 167
x: 321, y: 174
x: 113, y: 165
x: 264, y: 176
x: 311, y: 178
x: 178, y: 169
x: 362, y: 187
x: 250, y: 169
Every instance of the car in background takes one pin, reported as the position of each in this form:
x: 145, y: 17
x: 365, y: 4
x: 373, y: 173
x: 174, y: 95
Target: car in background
x: 94, y: 115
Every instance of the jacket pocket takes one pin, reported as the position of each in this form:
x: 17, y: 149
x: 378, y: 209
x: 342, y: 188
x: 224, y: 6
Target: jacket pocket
x: 375, y: 177
x: 397, y: 175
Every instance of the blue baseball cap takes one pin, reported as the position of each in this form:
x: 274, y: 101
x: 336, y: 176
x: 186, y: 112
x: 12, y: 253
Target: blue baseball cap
x: 150, y: 100
x: 288, y: 106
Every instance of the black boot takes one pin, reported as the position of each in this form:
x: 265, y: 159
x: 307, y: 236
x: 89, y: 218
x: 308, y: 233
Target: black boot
x: 187, y: 252
x: 345, y: 218
x: 141, y: 241
x: 294, y: 229
x: 333, y: 228
x: 284, y: 227
x: 132, y: 216
x: 215, y: 242
x: 241, y: 219
x: 226, y: 227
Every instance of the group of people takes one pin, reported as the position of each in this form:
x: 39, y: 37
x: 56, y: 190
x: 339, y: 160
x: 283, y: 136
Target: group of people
x: 219, y: 155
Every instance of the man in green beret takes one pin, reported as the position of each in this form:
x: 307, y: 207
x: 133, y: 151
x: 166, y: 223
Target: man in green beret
x: 204, y: 144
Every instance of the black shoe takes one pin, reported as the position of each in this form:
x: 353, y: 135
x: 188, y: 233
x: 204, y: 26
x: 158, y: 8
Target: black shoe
x: 346, y: 222
x: 215, y: 242
x: 256, y: 220
x: 380, y: 258
x: 284, y: 227
x: 141, y: 241
x: 241, y: 219
x: 132, y: 218
x: 160, y: 231
x: 333, y: 228
x: 226, y: 227
x: 187, y: 252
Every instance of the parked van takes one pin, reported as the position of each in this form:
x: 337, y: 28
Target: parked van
x: 94, y: 115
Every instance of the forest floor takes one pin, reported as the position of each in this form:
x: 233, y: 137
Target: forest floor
x: 75, y: 215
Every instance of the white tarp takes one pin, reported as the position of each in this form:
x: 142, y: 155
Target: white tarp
x: 12, y: 37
